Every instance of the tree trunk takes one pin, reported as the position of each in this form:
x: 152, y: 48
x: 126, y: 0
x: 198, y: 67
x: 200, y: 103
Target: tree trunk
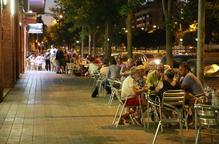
x: 201, y: 40
x: 129, y: 33
x: 167, y: 10
x: 108, y: 39
x: 94, y: 44
x: 89, y: 44
x: 82, y: 43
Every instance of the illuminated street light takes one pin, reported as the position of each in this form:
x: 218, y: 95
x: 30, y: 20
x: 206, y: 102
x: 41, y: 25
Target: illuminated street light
x: 60, y: 16
x: 180, y: 39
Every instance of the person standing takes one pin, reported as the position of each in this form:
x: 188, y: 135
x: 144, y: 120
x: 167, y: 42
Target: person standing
x: 59, y: 61
x: 47, y: 60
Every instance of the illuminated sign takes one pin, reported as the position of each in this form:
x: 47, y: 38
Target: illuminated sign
x: 35, y: 28
x: 29, y: 18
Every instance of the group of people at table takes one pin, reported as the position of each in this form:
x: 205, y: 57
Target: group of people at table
x: 137, y: 78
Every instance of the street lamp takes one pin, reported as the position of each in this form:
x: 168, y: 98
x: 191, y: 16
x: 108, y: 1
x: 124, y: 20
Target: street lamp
x: 60, y: 16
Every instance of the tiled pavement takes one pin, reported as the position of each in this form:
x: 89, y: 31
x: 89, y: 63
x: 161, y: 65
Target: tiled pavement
x: 46, y: 108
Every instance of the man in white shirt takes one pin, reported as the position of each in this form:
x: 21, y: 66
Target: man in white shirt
x: 130, y: 89
x: 92, y: 67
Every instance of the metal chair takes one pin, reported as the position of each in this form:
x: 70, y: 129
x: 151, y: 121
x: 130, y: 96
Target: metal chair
x: 152, y: 107
x: 206, y: 116
x: 69, y: 68
x: 121, y: 109
x: 115, y: 86
x: 173, y: 101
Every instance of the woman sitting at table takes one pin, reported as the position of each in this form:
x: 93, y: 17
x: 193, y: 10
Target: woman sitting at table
x: 168, y: 83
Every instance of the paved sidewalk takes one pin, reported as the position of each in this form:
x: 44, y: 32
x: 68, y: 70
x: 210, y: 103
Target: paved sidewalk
x: 47, y: 108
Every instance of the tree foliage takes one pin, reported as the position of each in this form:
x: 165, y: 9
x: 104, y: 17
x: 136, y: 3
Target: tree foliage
x: 211, y: 18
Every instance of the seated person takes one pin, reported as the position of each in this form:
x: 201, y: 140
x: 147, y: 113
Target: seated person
x: 168, y: 83
x: 190, y: 83
x: 104, y: 68
x: 154, y: 77
x: 92, y: 67
x: 114, y: 70
x: 125, y: 69
x: 112, y: 73
x: 130, y: 91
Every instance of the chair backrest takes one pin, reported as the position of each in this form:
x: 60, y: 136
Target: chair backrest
x: 116, y: 88
x: 206, y: 115
x: 174, y: 98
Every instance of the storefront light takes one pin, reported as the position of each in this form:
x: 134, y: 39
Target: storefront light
x: 12, y: 7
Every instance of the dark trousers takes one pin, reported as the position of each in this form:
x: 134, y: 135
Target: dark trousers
x: 106, y: 86
x: 48, y: 65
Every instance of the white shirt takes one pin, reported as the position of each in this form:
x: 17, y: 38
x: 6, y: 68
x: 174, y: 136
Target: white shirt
x: 92, y: 68
x: 127, y: 87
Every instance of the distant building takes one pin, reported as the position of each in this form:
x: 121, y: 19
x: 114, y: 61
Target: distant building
x: 149, y: 17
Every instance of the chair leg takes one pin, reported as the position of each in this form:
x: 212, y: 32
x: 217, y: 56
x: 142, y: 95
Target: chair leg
x: 156, y: 133
x: 116, y: 114
x: 186, y: 114
x: 120, y: 115
x: 197, y: 135
x: 111, y: 97
x: 148, y: 117
x: 181, y: 127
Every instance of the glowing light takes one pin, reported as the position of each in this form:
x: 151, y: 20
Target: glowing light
x: 157, y: 61
x: 181, y: 39
x: 12, y: 7
x: 60, y: 16
x: 5, y: 2
x: 193, y: 27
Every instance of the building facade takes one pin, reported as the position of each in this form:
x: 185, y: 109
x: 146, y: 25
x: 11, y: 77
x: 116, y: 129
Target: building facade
x: 13, y: 40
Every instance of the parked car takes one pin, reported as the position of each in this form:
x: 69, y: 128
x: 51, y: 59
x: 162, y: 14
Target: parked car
x: 144, y: 57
